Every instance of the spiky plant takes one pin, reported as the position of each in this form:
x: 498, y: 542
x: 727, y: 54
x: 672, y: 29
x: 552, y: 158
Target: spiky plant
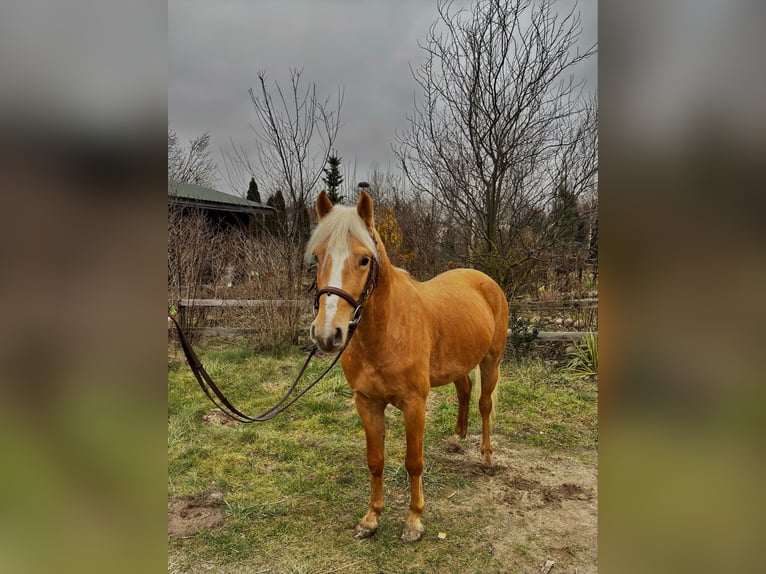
x: 583, y: 361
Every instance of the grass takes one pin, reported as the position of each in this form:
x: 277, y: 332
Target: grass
x: 295, y: 487
x: 545, y: 407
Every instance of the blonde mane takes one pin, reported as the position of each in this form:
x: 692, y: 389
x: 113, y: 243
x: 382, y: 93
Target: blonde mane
x: 335, y: 228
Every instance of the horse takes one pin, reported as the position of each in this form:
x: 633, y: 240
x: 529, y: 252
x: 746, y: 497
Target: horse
x: 408, y: 336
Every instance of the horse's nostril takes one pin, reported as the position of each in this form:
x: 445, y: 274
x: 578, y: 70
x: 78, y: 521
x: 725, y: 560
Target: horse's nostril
x: 313, y: 333
x: 338, y: 336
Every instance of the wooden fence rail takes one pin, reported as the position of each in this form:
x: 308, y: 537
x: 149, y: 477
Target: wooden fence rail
x: 542, y: 336
x: 560, y: 335
x: 590, y: 303
x: 518, y: 305
x: 243, y: 302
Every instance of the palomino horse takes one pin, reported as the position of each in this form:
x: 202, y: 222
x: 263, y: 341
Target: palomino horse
x: 413, y: 336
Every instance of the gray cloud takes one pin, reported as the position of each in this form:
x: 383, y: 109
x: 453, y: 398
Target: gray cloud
x: 216, y: 48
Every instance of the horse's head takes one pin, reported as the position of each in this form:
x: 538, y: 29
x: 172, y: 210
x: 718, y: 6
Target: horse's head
x: 344, y: 250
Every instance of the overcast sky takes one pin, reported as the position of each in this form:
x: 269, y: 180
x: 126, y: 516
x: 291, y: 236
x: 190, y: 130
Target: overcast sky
x: 217, y: 47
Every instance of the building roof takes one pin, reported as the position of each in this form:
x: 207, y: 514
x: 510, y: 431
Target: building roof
x: 198, y: 196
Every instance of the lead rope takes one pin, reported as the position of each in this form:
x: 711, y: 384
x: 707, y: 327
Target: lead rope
x: 224, y: 405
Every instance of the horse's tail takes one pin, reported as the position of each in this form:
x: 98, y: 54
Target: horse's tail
x: 494, y: 405
x: 476, y: 392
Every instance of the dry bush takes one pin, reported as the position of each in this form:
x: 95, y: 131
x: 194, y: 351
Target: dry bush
x: 205, y: 261
x: 274, y: 271
x: 423, y: 237
x: 191, y: 254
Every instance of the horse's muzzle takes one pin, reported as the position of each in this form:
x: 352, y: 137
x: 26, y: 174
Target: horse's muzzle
x: 329, y: 341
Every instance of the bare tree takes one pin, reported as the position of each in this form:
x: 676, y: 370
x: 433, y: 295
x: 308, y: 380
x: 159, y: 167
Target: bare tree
x: 484, y: 141
x: 192, y: 164
x: 574, y: 170
x: 295, y: 133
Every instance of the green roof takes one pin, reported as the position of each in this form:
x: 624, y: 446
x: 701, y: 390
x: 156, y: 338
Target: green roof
x: 190, y: 194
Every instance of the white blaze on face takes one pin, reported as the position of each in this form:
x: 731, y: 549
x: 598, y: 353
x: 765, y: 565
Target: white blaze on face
x: 338, y: 261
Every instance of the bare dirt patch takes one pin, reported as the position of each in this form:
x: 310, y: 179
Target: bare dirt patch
x: 218, y: 417
x: 539, y: 506
x: 189, y: 516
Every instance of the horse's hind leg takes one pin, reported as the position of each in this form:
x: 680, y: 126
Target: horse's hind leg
x: 489, y: 373
x: 490, y: 367
x: 463, y: 388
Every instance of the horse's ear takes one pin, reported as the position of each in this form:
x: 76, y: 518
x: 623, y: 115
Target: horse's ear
x: 324, y: 205
x: 364, y: 209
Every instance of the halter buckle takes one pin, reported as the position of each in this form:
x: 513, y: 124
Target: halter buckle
x: 357, y: 316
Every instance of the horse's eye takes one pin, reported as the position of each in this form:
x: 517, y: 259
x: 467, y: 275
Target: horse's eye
x: 364, y: 261
x: 314, y: 261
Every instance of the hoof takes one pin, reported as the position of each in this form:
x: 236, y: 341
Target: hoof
x: 488, y: 470
x: 361, y: 532
x: 412, y: 534
x: 454, y: 444
x: 486, y: 460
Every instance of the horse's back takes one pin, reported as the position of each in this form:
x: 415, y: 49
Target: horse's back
x: 468, y: 287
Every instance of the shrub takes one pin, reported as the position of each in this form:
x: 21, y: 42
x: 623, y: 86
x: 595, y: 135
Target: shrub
x: 583, y: 361
x: 523, y: 333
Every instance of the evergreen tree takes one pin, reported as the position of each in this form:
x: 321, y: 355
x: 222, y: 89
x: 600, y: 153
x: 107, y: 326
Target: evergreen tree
x: 333, y: 178
x: 275, y: 224
x: 257, y: 222
x: 568, y: 226
x: 271, y: 220
x: 303, y: 221
x: 569, y: 236
x: 593, y: 241
x: 252, y: 191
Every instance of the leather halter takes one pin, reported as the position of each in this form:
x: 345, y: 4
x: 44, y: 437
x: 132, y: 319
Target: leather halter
x: 357, y: 304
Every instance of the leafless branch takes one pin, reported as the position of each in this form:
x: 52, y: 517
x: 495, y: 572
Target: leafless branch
x: 295, y: 130
x: 192, y: 164
x: 501, y: 120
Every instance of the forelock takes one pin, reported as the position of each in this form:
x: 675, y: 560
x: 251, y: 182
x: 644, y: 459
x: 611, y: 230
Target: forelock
x: 334, y: 229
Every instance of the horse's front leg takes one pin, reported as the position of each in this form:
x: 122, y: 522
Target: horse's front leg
x: 414, y: 424
x: 373, y: 420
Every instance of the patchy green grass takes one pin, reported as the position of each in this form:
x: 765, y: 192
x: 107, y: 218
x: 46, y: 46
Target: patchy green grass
x: 293, y: 488
x: 546, y: 407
